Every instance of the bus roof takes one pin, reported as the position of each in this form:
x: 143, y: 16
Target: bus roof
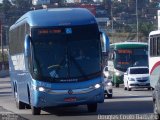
x: 126, y: 45
x: 154, y: 33
x: 57, y: 17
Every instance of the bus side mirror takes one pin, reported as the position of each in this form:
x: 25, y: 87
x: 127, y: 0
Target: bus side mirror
x: 104, y: 42
x: 27, y: 46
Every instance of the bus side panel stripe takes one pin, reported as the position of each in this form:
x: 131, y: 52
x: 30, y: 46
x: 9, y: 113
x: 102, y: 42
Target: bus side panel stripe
x: 156, y: 65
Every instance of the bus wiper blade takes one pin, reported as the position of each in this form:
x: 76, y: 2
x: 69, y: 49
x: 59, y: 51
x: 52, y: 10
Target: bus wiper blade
x: 54, y: 66
x: 79, y: 67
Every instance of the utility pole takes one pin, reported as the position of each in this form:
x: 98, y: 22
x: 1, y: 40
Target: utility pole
x: 112, y: 19
x: 137, y: 22
x: 2, y: 52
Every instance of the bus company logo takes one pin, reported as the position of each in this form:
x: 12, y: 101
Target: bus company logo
x: 70, y: 91
x: 68, y: 30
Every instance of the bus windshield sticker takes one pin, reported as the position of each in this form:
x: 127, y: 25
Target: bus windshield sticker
x: 68, y: 30
x: 54, y: 74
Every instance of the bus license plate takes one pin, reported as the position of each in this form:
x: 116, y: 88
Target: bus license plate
x: 70, y: 99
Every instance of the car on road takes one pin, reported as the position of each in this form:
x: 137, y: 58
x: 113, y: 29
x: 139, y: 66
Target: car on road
x: 136, y: 77
x: 107, y: 83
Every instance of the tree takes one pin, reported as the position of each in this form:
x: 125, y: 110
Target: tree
x: 6, y: 6
x: 145, y: 28
x: 22, y: 4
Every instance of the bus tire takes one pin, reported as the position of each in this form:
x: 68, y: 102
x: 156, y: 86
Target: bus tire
x: 35, y: 110
x: 28, y: 106
x: 155, y: 109
x: 19, y: 104
x: 92, y: 107
x: 117, y: 85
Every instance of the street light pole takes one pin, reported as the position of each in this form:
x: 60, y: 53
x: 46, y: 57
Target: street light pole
x: 137, y: 22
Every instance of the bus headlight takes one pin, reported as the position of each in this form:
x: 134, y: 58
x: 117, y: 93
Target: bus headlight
x: 117, y: 73
x: 97, y: 86
x: 41, y: 89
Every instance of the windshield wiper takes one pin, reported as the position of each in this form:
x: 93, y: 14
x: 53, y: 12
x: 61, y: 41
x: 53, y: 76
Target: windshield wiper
x: 79, y: 67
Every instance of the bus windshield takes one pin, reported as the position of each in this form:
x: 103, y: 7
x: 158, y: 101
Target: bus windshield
x: 63, y: 56
x: 131, y: 57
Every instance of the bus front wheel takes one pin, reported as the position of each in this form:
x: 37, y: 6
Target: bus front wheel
x: 35, y: 110
x: 92, y: 107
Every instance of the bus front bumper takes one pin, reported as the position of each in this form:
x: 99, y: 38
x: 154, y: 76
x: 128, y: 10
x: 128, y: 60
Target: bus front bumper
x: 49, y: 98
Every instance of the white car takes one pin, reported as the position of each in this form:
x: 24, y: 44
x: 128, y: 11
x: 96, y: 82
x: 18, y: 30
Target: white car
x: 107, y: 83
x: 136, y: 77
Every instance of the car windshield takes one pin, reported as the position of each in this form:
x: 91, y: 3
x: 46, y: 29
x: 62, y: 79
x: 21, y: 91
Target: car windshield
x: 139, y: 71
x: 66, y: 57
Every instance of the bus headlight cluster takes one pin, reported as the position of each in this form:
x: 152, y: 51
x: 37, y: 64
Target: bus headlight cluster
x: 41, y: 89
x: 97, y: 86
x: 117, y: 73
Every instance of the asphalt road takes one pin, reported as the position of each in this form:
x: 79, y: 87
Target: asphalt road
x: 125, y: 105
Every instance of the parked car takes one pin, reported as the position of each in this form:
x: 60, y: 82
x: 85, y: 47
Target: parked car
x: 107, y: 83
x: 136, y: 77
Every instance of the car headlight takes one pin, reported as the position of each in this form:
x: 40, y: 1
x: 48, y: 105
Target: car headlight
x: 106, y: 74
x: 131, y: 79
x: 109, y: 84
x: 117, y: 73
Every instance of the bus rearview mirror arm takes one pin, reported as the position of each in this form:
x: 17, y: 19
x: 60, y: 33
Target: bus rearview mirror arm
x: 104, y: 42
x: 27, y: 46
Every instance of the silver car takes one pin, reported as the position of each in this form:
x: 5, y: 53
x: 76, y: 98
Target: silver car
x: 107, y: 83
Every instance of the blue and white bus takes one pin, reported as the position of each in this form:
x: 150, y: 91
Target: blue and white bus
x: 56, y: 59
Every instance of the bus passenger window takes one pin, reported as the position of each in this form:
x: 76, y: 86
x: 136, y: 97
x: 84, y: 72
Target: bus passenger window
x: 151, y: 50
x: 158, y: 46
